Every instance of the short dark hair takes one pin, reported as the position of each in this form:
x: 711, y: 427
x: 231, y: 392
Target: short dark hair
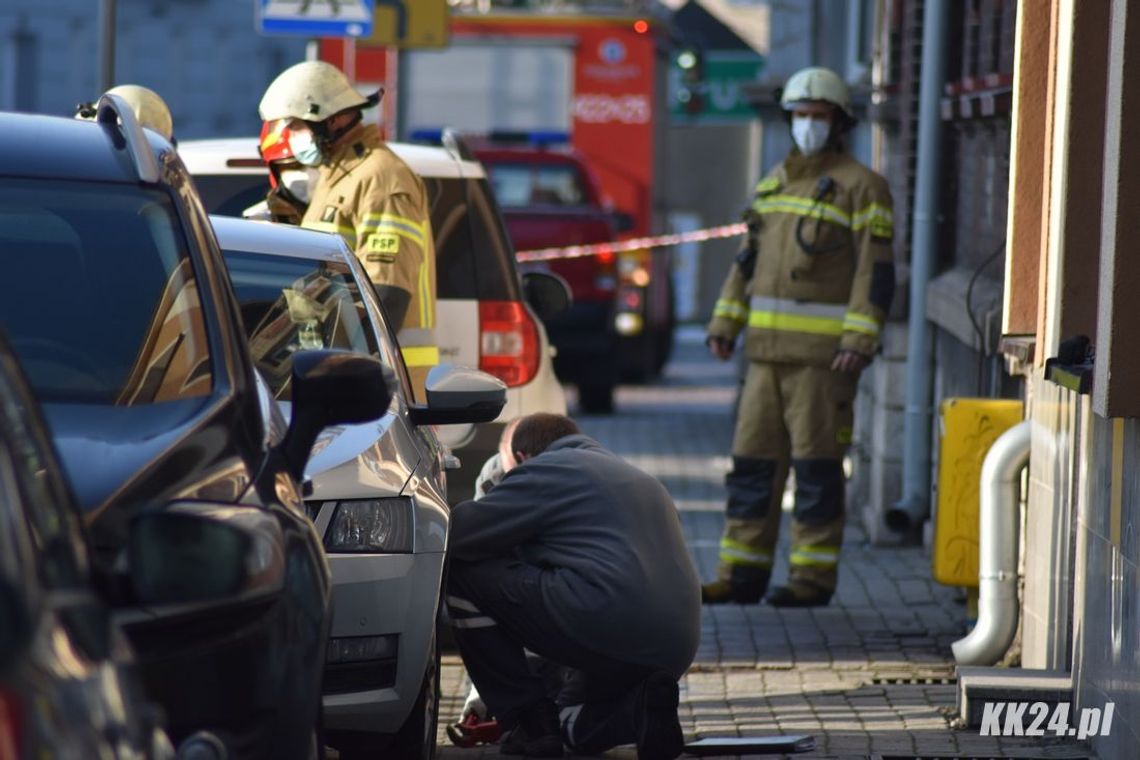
x: 536, y: 432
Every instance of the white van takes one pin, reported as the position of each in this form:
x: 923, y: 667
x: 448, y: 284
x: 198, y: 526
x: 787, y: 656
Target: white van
x: 482, y: 316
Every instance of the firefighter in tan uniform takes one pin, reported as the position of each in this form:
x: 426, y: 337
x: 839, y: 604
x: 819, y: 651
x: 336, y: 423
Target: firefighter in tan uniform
x: 810, y: 292
x: 368, y: 195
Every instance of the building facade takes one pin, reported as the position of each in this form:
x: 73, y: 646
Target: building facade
x: 204, y: 57
x: 1070, y: 312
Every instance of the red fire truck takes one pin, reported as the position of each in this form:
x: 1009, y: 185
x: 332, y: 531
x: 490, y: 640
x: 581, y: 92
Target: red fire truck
x: 600, y: 81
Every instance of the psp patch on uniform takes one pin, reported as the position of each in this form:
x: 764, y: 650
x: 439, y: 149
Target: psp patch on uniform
x: 382, y: 243
x: 329, y: 215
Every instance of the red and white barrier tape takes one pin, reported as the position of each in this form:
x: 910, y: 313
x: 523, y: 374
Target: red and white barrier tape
x: 636, y: 244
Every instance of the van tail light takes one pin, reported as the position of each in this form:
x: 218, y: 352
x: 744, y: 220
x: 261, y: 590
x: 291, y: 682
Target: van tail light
x: 508, y: 342
x: 11, y: 725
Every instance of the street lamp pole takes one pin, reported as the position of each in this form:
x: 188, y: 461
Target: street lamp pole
x: 106, y: 44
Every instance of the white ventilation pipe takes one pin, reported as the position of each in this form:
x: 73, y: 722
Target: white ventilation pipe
x: 999, y: 519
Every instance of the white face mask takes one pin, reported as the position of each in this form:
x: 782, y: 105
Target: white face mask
x: 299, y: 182
x: 810, y: 134
x: 304, y: 147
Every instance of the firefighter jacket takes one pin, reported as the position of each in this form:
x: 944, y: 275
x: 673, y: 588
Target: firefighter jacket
x: 823, y: 272
x: 368, y: 195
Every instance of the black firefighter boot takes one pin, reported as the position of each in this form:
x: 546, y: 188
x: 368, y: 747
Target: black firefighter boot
x: 737, y: 589
x: 799, y: 593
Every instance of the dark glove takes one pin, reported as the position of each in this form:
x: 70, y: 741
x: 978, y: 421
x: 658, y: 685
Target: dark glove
x: 721, y: 348
x: 746, y: 260
x: 283, y: 207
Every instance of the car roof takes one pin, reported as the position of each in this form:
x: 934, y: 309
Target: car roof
x: 53, y: 147
x: 214, y: 156
x: 288, y: 240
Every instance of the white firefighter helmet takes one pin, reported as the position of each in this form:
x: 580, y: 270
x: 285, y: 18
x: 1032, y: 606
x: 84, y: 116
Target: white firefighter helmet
x: 311, y: 91
x: 149, y: 108
x: 816, y: 83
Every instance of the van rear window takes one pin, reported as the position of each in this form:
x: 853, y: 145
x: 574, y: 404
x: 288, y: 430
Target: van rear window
x: 474, y: 258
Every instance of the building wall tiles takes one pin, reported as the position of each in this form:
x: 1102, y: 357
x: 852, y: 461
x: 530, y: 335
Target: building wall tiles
x: 1048, y: 550
x: 1106, y: 648
x: 876, y: 453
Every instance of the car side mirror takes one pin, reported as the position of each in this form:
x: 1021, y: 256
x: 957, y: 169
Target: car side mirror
x: 457, y: 395
x: 622, y: 221
x: 332, y: 388
x: 548, y: 294
x: 200, y: 552
x: 16, y: 627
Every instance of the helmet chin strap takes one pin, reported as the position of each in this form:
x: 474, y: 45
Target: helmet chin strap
x: 326, y: 137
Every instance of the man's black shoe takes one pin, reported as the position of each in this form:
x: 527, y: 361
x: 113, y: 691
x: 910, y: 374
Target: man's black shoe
x: 536, y: 735
x: 798, y: 596
x: 659, y: 735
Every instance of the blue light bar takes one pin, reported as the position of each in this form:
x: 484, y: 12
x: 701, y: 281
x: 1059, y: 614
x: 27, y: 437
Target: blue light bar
x: 536, y: 137
x: 539, y: 138
x: 433, y: 135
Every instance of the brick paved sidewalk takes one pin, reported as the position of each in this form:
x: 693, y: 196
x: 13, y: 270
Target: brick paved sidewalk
x: 871, y: 675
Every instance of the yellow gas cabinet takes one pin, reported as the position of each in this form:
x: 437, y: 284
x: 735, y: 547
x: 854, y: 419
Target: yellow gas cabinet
x: 967, y: 429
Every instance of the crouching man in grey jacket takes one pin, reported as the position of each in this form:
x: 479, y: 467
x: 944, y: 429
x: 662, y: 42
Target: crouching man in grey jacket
x: 577, y: 556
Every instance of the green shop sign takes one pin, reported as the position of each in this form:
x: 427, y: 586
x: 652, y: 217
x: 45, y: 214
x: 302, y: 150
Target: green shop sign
x: 713, y: 92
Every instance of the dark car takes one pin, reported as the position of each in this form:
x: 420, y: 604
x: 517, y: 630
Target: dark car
x: 66, y: 685
x: 117, y: 303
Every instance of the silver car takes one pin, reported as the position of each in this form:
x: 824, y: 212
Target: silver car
x: 378, y: 490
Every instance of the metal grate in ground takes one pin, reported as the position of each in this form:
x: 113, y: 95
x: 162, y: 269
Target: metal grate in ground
x: 977, y: 757
x: 915, y: 679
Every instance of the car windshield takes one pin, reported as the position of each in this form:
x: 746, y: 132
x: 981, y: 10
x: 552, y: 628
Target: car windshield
x: 290, y: 305
x: 518, y: 184
x: 99, y: 298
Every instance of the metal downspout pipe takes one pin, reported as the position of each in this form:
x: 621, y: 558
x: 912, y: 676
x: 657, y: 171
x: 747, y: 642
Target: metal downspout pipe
x: 999, y: 521
x: 914, y: 505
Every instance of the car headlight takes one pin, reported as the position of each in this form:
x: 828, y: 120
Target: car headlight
x: 372, y: 526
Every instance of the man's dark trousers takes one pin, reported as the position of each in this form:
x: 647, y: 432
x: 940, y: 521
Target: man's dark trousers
x: 497, y: 610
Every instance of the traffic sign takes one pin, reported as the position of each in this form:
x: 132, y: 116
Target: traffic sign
x: 316, y: 18
x: 410, y: 24
x: 720, y: 89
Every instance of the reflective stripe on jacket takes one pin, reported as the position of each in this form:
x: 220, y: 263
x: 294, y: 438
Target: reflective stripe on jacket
x: 803, y: 305
x: 418, y: 346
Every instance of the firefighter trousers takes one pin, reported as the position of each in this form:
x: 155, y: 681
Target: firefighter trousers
x: 791, y: 417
